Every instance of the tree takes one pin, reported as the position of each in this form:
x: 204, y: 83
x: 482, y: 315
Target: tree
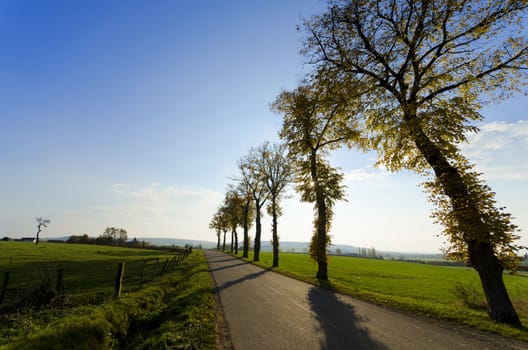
x: 122, y: 236
x: 234, y: 205
x: 248, y: 211
x: 277, y: 171
x: 109, y: 234
x: 225, y: 228
x: 421, y: 67
x: 220, y: 223
x: 84, y: 239
x: 114, y: 236
x: 40, y: 224
x: 215, y: 224
x: 312, y: 125
x: 253, y: 178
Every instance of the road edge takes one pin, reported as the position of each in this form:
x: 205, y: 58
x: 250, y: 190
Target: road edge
x: 223, y: 337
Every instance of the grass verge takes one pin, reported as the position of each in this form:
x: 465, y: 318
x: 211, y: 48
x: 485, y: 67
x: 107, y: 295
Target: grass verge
x: 446, y: 293
x: 173, y: 312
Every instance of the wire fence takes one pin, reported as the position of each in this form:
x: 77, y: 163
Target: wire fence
x: 39, y: 282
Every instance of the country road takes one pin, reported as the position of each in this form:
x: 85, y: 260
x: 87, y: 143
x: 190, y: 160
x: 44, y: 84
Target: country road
x: 266, y: 310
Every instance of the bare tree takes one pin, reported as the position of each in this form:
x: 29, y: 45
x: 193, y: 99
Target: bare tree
x: 41, y: 222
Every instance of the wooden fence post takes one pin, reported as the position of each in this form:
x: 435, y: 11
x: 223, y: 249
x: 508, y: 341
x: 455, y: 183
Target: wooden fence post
x: 119, y: 279
x: 4, y: 287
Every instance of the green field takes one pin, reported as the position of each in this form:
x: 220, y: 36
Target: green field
x: 418, y: 288
x: 175, y: 310
x: 88, y: 270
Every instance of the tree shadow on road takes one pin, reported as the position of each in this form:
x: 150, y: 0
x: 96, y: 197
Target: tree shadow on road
x: 214, y: 259
x: 341, y: 325
x: 242, y: 279
x: 228, y: 266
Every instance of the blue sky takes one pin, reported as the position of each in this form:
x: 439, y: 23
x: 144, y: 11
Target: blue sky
x: 134, y: 114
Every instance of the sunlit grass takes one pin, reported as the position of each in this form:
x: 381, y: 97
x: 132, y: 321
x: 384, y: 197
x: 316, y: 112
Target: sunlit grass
x: 174, y: 311
x: 87, y: 269
x: 412, y: 287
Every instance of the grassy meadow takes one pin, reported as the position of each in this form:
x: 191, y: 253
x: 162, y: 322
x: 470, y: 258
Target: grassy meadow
x: 88, y: 270
x: 175, y: 310
x: 443, y: 292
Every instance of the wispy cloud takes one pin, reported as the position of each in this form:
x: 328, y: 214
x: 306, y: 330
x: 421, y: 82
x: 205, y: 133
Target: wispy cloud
x: 366, y: 174
x: 158, y: 208
x: 499, y: 150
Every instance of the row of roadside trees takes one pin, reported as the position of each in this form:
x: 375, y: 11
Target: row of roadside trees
x: 264, y: 174
x: 405, y: 79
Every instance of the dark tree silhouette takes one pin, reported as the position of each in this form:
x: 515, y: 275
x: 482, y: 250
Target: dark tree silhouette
x: 41, y: 222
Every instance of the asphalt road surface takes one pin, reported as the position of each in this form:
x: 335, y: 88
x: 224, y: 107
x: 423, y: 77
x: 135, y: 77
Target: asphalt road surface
x: 265, y: 310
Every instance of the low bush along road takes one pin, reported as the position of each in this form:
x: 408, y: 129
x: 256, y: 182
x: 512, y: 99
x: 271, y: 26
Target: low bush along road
x: 266, y: 310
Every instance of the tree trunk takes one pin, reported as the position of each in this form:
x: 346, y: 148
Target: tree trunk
x: 232, y: 240
x: 482, y: 256
x: 500, y: 307
x: 256, y: 254
x: 322, y: 260
x: 320, y: 239
x: 218, y: 243
x: 236, y: 242
x: 223, y: 245
x: 245, y: 253
x: 274, y: 232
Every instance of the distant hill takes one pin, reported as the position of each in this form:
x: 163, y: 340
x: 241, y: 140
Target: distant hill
x: 178, y: 241
x: 293, y: 247
x: 345, y: 249
x: 157, y: 241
